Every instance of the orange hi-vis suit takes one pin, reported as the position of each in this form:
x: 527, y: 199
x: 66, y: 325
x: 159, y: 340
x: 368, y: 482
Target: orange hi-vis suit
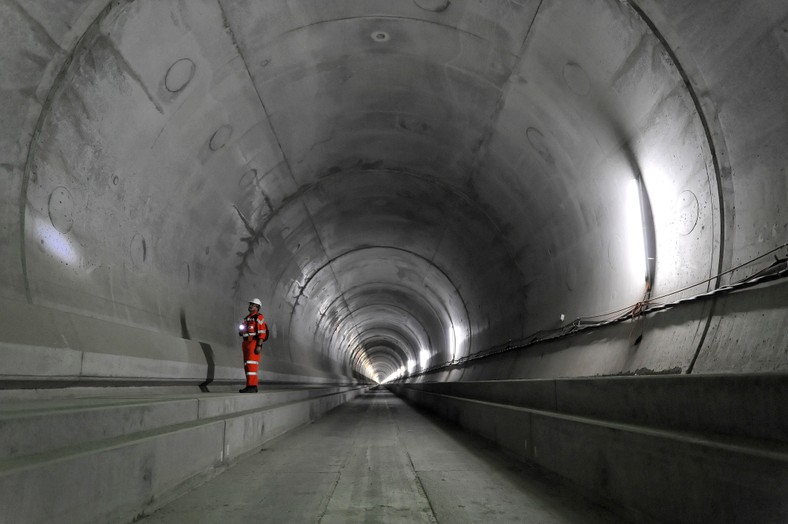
x: 253, y: 331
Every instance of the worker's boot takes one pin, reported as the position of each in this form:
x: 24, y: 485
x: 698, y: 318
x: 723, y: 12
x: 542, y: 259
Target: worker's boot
x: 248, y: 389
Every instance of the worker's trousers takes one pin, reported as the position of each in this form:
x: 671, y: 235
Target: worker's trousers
x: 251, y: 361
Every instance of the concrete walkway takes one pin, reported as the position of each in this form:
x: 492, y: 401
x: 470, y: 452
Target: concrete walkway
x: 377, y: 459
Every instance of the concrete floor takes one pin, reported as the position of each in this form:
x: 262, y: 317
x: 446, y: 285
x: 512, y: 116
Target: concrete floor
x: 377, y: 459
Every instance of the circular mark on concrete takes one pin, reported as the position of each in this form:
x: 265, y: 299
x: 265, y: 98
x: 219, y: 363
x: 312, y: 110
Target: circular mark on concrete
x: 265, y: 62
x: 61, y: 209
x: 138, y: 249
x: 179, y: 75
x: 536, y: 138
x: 115, y: 180
x: 687, y: 211
x: 188, y: 275
x: 380, y: 36
x: 432, y: 5
x: 220, y: 137
x: 576, y: 78
x: 248, y: 178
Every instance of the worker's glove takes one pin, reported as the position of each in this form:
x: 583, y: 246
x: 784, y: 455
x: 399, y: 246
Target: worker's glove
x: 257, y: 350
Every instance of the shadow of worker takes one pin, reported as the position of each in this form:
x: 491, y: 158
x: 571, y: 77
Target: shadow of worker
x: 207, y: 350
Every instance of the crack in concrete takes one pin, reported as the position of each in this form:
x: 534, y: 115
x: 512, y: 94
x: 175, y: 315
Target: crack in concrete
x: 250, y: 241
x: 46, y: 106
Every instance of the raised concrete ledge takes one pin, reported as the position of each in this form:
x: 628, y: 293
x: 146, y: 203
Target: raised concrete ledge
x: 147, y: 461
x: 665, y: 473
x: 747, y: 446
x: 50, y: 427
x: 37, y: 427
x: 752, y: 405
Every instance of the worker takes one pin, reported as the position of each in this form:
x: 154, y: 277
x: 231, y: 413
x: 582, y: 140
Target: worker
x: 254, y: 332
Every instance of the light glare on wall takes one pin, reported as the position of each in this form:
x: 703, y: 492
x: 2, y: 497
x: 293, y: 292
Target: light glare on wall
x: 55, y: 242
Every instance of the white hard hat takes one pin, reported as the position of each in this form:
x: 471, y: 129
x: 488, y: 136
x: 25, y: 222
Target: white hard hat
x: 256, y: 301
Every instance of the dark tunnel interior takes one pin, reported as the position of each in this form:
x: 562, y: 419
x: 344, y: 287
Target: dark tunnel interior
x: 561, y: 224
x: 403, y: 184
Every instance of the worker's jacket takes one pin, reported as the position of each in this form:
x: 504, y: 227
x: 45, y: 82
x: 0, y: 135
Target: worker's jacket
x: 254, y: 327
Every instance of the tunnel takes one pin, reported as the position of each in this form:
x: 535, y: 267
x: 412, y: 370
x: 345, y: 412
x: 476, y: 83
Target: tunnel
x: 559, y: 224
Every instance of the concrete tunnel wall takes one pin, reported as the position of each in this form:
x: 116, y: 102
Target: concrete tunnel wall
x: 389, y: 178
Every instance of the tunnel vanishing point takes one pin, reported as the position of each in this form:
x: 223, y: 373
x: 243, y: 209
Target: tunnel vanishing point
x: 562, y: 224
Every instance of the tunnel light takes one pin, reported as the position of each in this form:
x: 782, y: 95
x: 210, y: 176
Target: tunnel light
x: 424, y: 356
x: 55, y: 242
x: 411, y: 365
x: 397, y: 374
x: 394, y: 376
x: 453, y: 341
x: 456, y: 339
x: 634, y: 219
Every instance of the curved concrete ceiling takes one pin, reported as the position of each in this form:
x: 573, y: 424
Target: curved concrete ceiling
x: 390, y: 178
